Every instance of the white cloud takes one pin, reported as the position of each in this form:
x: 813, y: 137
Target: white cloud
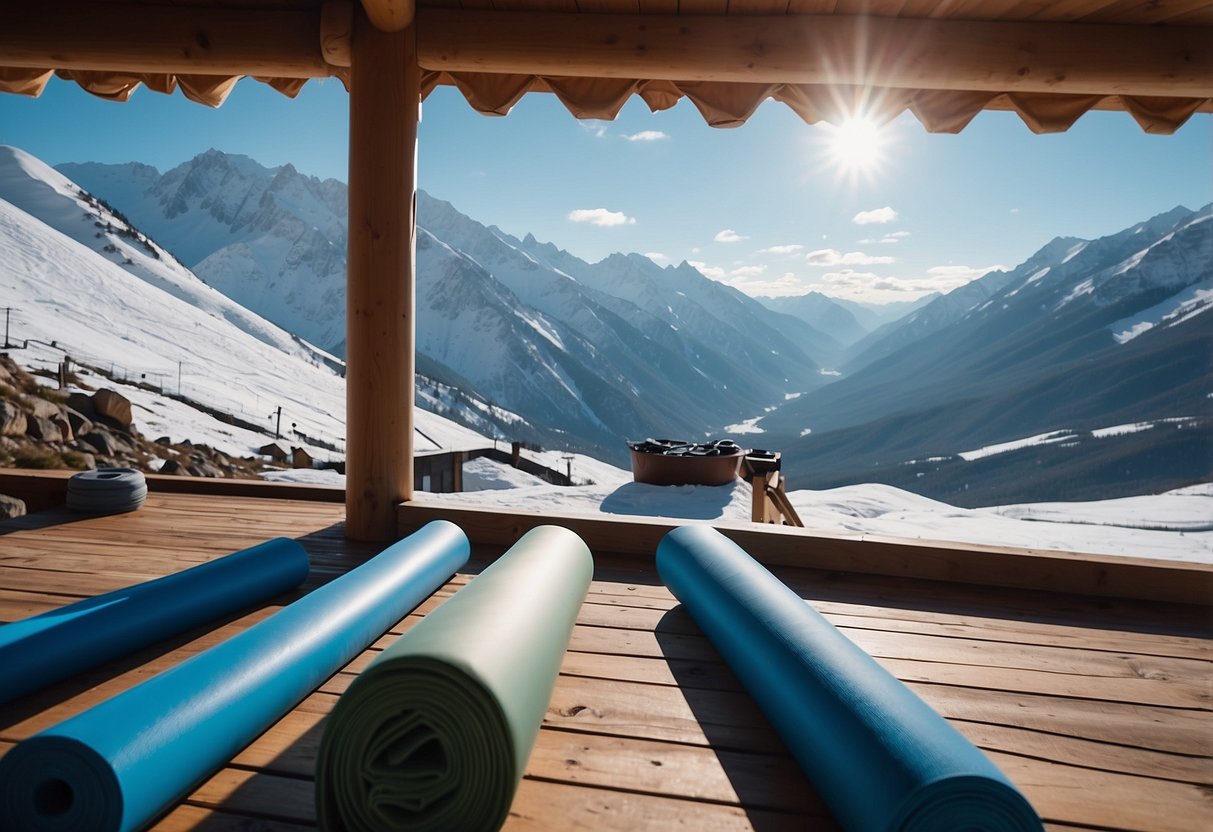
x: 647, y: 136
x: 695, y: 250
x: 832, y: 257
x: 657, y: 257
x: 601, y: 216
x: 895, y: 237
x: 1014, y: 210
x: 877, y: 215
x: 784, y: 285
x: 714, y: 272
x: 753, y: 280
x: 596, y: 127
x: 849, y: 277
x: 874, y: 288
x: 953, y: 276
x: 729, y: 236
x: 788, y: 249
x: 897, y: 234
x: 728, y: 275
x: 747, y: 271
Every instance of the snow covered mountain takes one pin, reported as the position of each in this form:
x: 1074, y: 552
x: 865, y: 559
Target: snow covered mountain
x: 822, y: 313
x: 1083, y: 336
x: 271, y: 240
x: 83, y: 282
x: 586, y: 351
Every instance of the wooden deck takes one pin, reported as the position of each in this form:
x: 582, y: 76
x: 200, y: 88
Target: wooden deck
x: 1099, y: 709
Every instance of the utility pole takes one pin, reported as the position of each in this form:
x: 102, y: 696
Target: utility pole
x: 278, y: 425
x: 7, y: 311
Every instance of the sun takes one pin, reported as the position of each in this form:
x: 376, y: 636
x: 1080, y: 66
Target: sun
x: 857, y: 144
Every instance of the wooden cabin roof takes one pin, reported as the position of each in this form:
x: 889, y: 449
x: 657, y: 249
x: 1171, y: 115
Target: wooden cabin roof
x: 944, y: 60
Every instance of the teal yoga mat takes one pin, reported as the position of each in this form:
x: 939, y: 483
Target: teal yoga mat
x: 59, y: 644
x: 116, y: 766
x: 880, y: 757
x: 436, y: 733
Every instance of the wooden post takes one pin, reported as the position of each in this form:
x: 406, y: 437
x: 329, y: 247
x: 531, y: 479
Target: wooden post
x: 380, y: 329
x: 758, y: 509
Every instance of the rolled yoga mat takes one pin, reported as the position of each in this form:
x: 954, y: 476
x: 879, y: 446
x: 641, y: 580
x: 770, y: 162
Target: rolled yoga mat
x: 436, y: 733
x: 58, y: 644
x: 119, y: 764
x: 880, y: 756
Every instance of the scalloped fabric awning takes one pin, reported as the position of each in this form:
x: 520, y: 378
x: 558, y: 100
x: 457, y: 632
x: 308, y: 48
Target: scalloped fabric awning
x: 721, y: 104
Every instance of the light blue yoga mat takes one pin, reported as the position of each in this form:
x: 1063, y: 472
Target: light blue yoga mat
x: 116, y: 766
x: 880, y: 757
x: 59, y: 644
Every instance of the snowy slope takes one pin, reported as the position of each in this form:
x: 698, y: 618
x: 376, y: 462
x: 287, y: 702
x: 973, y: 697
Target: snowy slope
x: 274, y: 241
x: 271, y: 239
x: 1083, y: 335
x: 99, y: 313
x: 64, y: 290
x: 45, y: 194
x: 1164, y: 526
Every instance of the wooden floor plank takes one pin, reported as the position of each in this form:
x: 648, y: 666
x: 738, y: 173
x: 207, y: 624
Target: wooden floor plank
x: 1069, y: 795
x: 712, y: 673
x: 859, y: 616
x: 729, y: 720
x: 1098, y: 709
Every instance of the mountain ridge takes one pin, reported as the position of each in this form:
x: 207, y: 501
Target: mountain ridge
x: 1081, y: 332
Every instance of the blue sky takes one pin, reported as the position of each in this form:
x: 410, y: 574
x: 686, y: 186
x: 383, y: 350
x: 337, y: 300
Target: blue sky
x: 763, y: 207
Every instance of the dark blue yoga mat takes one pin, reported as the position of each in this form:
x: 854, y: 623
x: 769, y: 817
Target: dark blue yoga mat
x: 116, y: 766
x: 58, y: 644
x: 880, y: 756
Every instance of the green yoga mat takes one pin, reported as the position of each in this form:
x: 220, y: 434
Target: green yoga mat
x: 436, y: 733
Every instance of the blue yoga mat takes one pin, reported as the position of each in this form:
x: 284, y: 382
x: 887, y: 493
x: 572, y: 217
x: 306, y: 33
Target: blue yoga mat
x: 880, y: 757
x: 119, y: 764
x: 58, y: 644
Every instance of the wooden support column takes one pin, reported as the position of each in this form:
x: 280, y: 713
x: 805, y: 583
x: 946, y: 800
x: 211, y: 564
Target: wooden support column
x: 380, y: 329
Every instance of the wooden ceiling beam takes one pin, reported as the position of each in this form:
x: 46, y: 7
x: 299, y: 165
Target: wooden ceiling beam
x: 390, y: 15
x: 996, y: 56
x: 285, y: 42
x: 180, y: 40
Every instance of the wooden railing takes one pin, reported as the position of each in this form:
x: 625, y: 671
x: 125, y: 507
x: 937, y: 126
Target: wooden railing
x: 829, y: 550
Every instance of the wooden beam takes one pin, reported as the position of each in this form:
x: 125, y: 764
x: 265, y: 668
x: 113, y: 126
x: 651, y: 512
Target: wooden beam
x: 292, y: 42
x: 997, y: 56
x: 336, y: 29
x: 177, y: 40
x: 390, y: 15
x: 380, y: 331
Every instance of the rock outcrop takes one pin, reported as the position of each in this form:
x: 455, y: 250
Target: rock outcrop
x: 42, y: 427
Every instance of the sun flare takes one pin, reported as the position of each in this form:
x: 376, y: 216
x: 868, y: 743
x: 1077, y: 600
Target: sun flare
x: 856, y: 145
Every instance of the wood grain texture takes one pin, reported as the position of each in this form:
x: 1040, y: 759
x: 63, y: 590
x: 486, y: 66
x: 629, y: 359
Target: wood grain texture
x: 995, y: 56
x: 150, y: 38
x: 1090, y: 705
x: 381, y: 279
